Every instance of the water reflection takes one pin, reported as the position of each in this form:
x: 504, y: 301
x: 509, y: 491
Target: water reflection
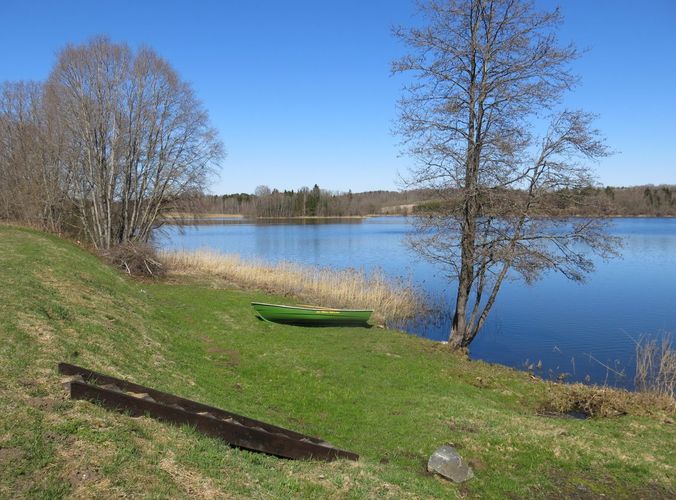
x: 263, y: 221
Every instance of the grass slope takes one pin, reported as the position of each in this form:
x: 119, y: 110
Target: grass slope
x: 388, y: 396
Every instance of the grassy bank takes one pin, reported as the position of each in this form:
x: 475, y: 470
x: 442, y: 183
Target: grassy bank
x: 390, y: 300
x: 388, y: 396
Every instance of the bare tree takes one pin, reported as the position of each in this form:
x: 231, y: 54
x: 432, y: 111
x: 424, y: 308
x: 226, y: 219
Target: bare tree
x: 32, y: 179
x: 136, y: 137
x: 487, y: 75
x: 18, y: 125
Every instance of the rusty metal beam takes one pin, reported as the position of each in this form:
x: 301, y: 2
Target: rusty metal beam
x: 236, y: 430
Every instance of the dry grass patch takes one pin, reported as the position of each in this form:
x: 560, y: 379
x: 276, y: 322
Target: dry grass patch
x: 595, y: 401
x: 193, y: 483
x: 41, y: 330
x: 656, y: 366
x: 655, y: 385
x: 391, y: 300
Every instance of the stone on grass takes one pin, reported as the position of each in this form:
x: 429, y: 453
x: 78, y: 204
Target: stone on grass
x: 448, y: 463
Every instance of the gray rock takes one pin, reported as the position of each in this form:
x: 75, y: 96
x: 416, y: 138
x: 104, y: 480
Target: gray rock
x: 448, y: 463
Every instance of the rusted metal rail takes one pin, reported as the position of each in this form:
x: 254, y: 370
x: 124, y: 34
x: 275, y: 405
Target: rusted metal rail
x: 236, y: 430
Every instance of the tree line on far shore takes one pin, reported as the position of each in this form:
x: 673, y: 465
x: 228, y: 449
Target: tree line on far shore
x: 633, y: 201
x: 305, y: 202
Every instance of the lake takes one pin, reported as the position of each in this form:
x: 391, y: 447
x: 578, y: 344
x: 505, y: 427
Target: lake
x: 585, y: 331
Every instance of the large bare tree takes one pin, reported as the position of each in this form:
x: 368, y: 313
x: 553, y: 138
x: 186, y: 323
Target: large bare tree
x: 136, y: 137
x: 487, y: 77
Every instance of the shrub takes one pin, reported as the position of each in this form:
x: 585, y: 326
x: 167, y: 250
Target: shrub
x: 136, y: 259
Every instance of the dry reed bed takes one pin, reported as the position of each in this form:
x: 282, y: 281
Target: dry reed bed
x: 596, y: 401
x: 391, y: 300
x: 655, y: 387
x: 656, y: 366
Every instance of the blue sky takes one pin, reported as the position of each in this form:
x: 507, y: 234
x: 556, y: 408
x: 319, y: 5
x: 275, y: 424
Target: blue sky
x: 301, y: 91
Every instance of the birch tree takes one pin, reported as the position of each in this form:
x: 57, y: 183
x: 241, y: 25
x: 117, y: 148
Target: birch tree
x: 136, y: 137
x: 481, y: 118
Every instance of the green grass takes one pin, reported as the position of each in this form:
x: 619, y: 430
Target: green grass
x: 388, y: 396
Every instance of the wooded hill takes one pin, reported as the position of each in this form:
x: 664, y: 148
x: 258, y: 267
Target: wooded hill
x: 656, y: 201
x: 306, y: 202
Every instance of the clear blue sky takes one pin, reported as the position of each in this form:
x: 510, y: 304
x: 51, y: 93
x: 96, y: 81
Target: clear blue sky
x: 301, y: 91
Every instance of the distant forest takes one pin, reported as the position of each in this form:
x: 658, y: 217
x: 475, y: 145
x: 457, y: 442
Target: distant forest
x: 306, y: 202
x: 658, y: 201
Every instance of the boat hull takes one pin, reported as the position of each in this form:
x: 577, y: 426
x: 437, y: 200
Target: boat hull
x: 310, y: 316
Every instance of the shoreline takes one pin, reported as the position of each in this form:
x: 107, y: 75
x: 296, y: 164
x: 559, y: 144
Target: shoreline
x: 210, y: 216
x: 392, y: 300
x: 391, y: 397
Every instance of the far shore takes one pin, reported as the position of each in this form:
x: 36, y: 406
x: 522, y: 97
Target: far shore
x: 181, y: 216
x: 186, y: 215
x: 171, y: 217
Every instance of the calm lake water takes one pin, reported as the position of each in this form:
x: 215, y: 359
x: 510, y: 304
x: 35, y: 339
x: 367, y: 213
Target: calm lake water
x: 571, y: 328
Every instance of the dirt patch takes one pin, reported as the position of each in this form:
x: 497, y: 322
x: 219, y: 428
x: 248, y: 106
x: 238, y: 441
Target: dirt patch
x: 28, y: 383
x: 82, y: 476
x: 600, y: 486
x: 8, y: 455
x: 231, y: 357
x: 482, y: 383
x: 47, y: 404
x: 455, y: 425
x: 411, y: 455
x: 476, y: 464
x: 298, y: 421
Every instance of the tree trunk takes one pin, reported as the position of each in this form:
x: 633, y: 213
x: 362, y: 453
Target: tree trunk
x: 459, y: 327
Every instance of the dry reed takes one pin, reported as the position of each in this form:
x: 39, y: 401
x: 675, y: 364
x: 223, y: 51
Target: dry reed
x: 391, y: 300
x: 595, y: 401
x: 656, y: 366
x: 654, y: 382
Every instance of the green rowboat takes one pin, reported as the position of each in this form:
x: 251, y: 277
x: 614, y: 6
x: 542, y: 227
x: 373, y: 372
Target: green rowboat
x: 310, y: 315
